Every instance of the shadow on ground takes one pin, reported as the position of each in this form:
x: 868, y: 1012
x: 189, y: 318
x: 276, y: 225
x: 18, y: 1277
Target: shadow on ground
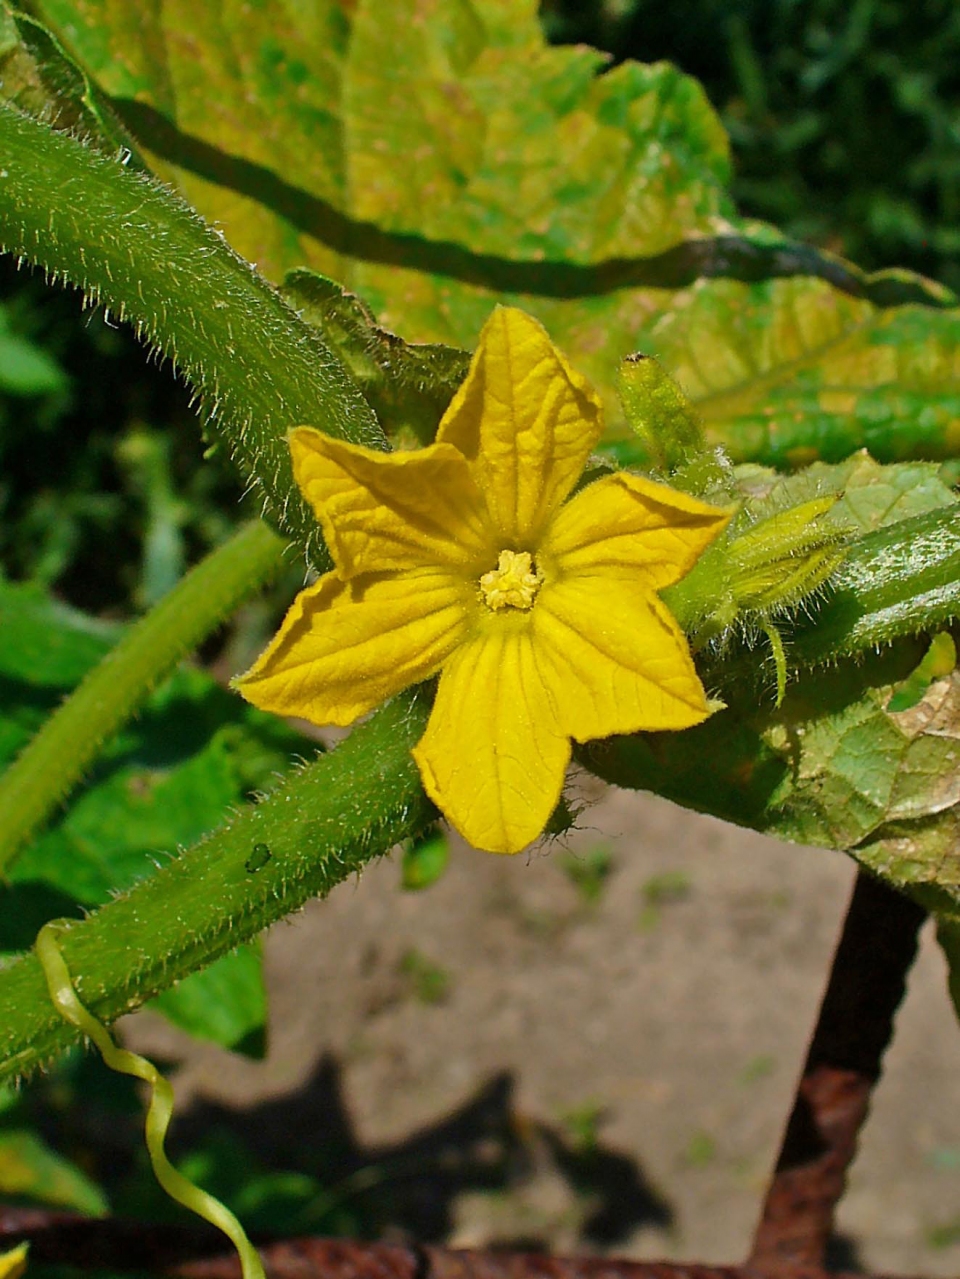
x: 408, y: 1189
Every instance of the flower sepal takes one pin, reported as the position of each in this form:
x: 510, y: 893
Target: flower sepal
x: 770, y: 564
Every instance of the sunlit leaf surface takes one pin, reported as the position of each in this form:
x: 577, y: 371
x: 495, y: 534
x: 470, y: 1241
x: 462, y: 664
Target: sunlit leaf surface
x: 440, y: 158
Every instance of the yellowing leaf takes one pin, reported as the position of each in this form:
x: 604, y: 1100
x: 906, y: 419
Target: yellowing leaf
x: 439, y: 157
x: 793, y: 371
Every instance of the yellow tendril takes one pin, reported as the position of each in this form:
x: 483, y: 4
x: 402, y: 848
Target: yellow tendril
x: 159, y: 1112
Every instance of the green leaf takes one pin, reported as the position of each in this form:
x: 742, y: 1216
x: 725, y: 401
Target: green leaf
x: 25, y: 368
x: 38, y: 77
x: 45, y: 643
x: 195, y: 753
x: 408, y: 386
x: 425, y: 860
x: 160, y: 785
x: 791, y: 371
x: 370, y: 89
x: 57, y: 756
x: 226, y: 1003
x: 871, y: 496
x: 30, y: 1169
x: 939, y: 659
x: 279, y: 1202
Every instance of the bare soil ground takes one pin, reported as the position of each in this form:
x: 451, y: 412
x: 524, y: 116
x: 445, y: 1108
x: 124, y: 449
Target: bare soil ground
x: 519, y: 1065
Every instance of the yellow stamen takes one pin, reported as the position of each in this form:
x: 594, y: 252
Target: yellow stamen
x: 513, y: 583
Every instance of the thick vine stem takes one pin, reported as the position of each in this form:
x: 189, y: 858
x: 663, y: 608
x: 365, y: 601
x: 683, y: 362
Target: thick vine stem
x: 900, y: 580
x: 131, y: 243
x: 56, y: 758
x: 324, y: 824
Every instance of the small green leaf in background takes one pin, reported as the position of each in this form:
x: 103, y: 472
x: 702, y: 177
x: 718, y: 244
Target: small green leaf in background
x: 425, y: 860
x: 285, y: 1201
x: 29, y: 1169
x: 195, y: 753
x: 701, y: 1150
x: 589, y: 872
x: 226, y: 1002
x: 429, y: 982
x: 939, y: 660
x: 659, y: 891
x: 25, y: 368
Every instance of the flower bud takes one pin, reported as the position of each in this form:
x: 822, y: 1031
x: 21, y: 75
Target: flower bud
x: 760, y: 573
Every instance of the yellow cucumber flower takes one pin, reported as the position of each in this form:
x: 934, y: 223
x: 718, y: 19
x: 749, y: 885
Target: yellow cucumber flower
x: 465, y: 558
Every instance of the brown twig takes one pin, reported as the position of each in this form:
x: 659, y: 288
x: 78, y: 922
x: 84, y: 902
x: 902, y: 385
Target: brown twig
x: 876, y: 948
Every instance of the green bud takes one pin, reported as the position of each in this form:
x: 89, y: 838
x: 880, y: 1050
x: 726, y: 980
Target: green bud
x: 659, y: 413
x: 782, y: 560
x: 767, y: 569
x: 760, y: 573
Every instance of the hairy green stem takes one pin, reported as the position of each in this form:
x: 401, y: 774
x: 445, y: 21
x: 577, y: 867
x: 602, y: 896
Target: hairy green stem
x: 900, y: 580
x: 131, y: 243
x: 55, y: 759
x: 321, y: 826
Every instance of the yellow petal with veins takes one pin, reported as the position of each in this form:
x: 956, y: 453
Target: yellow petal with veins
x: 614, y: 657
x: 345, y: 647
x: 525, y: 421
x: 629, y: 522
x: 494, y: 756
x: 387, y: 511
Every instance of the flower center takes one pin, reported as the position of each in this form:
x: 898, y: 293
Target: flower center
x: 513, y: 583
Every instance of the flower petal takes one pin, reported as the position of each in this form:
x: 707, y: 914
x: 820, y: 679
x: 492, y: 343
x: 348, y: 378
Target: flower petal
x: 493, y: 757
x: 345, y: 647
x: 388, y: 511
x: 526, y: 422
x: 615, y: 658
x: 625, y: 521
